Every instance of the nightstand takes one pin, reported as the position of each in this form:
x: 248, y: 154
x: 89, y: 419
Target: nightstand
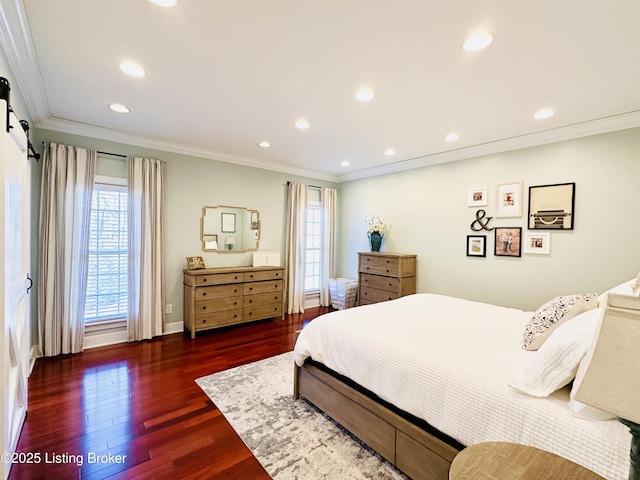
x: 510, y: 461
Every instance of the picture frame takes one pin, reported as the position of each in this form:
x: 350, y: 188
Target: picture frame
x: 228, y: 223
x: 509, y: 199
x: 551, y: 207
x: 537, y: 243
x: 476, y: 245
x: 508, y: 242
x: 210, y: 242
x: 477, y: 197
x: 195, y: 263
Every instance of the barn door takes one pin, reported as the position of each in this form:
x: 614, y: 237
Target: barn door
x: 14, y: 279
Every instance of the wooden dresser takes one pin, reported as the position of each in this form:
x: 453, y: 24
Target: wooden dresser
x: 385, y: 276
x: 217, y: 297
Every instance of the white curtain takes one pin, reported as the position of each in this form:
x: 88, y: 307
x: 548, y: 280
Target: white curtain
x: 296, y: 246
x: 146, y: 284
x: 65, y: 212
x: 329, y: 198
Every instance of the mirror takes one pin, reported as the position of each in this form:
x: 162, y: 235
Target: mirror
x: 226, y: 229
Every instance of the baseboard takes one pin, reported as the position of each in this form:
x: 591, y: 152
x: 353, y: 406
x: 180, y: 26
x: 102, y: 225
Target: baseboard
x: 175, y: 327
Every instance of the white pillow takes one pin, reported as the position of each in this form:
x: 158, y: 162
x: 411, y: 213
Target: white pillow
x: 556, y: 362
x: 552, y: 314
x: 625, y: 288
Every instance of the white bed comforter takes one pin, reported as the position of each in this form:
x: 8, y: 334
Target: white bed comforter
x: 450, y: 361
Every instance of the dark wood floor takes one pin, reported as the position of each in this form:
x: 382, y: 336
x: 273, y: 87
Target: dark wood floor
x: 140, y: 400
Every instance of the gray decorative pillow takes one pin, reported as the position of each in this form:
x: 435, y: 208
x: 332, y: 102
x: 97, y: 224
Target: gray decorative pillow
x: 552, y: 314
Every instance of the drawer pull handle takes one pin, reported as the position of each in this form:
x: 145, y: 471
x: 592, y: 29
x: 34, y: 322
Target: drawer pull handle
x: 204, y: 321
x: 250, y: 288
x: 235, y: 303
x: 204, y: 294
x: 204, y: 279
x: 251, y: 276
x: 235, y: 290
x: 251, y: 301
x: 387, y: 270
x: 204, y: 307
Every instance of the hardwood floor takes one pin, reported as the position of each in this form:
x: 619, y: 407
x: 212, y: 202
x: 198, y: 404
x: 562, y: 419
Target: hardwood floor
x: 133, y: 411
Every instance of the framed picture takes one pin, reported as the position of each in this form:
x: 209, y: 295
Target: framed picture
x: 477, y: 197
x: 228, y: 222
x: 509, y: 199
x: 508, y: 241
x: 551, y: 206
x: 539, y: 243
x: 476, y: 245
x: 195, y: 263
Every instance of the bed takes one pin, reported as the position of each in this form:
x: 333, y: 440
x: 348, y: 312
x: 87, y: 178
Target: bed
x: 421, y: 377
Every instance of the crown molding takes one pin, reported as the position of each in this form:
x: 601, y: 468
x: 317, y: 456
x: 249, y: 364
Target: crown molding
x: 92, y: 131
x: 568, y: 132
x: 20, y: 53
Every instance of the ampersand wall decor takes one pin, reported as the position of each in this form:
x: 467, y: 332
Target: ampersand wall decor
x: 481, y: 222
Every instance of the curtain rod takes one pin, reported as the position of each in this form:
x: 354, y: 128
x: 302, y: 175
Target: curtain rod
x: 112, y: 154
x: 312, y: 186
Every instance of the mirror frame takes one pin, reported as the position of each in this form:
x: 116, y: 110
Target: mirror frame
x: 219, y: 250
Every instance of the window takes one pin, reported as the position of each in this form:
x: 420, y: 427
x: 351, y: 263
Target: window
x: 313, y: 252
x: 107, y: 283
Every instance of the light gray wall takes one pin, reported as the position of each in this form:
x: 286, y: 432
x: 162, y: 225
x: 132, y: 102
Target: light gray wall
x: 190, y: 184
x: 428, y: 214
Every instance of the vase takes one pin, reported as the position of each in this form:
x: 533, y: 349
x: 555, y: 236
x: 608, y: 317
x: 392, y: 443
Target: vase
x: 375, y: 241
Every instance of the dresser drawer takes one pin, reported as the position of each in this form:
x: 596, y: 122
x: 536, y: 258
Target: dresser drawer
x: 260, y: 299
x: 217, y: 305
x: 218, y: 291
x: 390, y: 284
x: 264, y: 311
x: 379, y: 265
x: 251, y: 288
x: 218, y: 278
x: 373, y: 295
x: 218, y: 319
x: 263, y: 275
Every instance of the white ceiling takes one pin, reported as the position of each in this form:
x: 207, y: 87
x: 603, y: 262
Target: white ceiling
x: 225, y: 75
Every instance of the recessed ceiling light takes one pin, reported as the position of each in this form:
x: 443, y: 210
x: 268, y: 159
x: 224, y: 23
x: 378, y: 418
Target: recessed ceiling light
x: 345, y: 163
x: 477, y: 42
x: 117, y: 107
x: 264, y: 144
x: 452, y: 137
x: 165, y: 3
x: 364, y: 95
x: 543, y: 113
x: 302, y: 124
x: 389, y: 152
x: 132, y: 69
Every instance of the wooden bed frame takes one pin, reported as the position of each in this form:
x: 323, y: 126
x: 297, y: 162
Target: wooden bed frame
x: 414, y: 447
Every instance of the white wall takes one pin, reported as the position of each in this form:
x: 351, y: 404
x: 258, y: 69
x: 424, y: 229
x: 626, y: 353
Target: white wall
x: 428, y: 214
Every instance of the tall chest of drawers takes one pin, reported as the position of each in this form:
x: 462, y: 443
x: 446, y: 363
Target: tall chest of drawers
x: 385, y: 276
x: 217, y: 297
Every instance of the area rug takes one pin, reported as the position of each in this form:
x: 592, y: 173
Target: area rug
x: 290, y: 438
